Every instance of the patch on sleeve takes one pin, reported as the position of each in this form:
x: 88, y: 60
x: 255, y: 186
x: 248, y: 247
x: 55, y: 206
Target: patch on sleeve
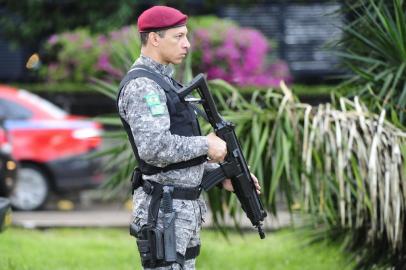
x: 157, y: 110
x: 154, y: 104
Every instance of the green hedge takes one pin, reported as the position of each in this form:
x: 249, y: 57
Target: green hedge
x: 71, y: 87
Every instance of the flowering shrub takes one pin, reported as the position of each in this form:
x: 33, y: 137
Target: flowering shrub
x: 78, y: 56
x: 220, y: 48
x: 237, y: 55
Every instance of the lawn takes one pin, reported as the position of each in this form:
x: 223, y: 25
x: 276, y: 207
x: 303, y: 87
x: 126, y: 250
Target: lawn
x: 100, y: 249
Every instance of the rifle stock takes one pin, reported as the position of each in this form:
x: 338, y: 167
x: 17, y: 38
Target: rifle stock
x: 234, y: 166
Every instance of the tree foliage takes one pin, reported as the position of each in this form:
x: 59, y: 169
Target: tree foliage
x: 29, y: 21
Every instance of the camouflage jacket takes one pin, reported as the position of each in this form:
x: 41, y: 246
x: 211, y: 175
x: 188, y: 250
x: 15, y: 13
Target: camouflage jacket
x: 158, y: 147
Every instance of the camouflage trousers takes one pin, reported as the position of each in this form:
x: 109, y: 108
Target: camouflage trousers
x: 188, y: 222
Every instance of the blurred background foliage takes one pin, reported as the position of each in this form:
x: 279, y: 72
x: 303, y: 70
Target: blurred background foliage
x: 341, y: 164
x: 36, y: 20
x: 78, y: 55
x: 374, y: 48
x: 242, y: 58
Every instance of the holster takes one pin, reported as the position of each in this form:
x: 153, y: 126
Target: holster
x: 150, y: 245
x: 157, y: 246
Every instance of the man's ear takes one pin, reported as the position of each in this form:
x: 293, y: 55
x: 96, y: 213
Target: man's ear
x: 154, y: 38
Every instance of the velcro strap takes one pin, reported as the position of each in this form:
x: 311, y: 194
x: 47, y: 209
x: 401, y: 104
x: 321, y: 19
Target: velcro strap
x: 180, y: 193
x: 151, y: 170
x: 136, y: 180
x: 191, y: 253
x: 186, y: 193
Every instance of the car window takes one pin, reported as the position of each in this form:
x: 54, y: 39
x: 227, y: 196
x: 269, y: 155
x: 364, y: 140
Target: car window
x: 12, y: 110
x: 44, y: 104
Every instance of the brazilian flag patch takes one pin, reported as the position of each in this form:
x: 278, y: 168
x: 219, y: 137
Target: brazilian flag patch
x: 154, y: 104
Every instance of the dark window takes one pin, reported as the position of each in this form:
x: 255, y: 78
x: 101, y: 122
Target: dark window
x: 12, y: 110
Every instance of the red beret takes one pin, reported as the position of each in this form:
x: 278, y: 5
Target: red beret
x: 160, y: 17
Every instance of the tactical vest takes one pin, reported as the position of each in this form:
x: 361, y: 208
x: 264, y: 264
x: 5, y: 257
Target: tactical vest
x: 183, y: 120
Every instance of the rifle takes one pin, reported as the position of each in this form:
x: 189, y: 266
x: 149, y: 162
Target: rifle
x: 234, y: 166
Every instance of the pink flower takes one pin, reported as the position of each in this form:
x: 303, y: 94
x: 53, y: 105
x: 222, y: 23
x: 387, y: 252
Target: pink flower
x: 87, y: 44
x: 103, y: 64
x: 239, y: 56
x: 52, y: 40
x: 207, y: 58
x: 102, y: 39
x: 216, y: 72
x: 72, y: 37
x: 52, y: 67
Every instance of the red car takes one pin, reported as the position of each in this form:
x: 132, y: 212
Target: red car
x: 51, y: 146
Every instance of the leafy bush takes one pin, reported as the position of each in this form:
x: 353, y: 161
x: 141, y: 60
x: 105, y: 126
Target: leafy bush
x: 35, y: 20
x: 78, y: 55
x: 353, y: 179
x: 343, y: 165
x: 237, y: 55
x: 375, y: 50
x: 220, y: 48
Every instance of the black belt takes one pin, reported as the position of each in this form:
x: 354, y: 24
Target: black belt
x: 181, y: 193
x: 155, y: 190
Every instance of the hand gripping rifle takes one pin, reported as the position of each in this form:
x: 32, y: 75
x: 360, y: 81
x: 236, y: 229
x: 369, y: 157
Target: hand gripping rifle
x: 234, y: 166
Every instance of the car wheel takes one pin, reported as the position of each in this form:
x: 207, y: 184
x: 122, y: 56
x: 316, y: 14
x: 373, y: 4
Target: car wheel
x: 31, y: 190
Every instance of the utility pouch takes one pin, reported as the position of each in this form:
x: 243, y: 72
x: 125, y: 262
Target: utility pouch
x: 150, y: 245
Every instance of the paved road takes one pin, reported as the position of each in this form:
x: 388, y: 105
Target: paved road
x: 119, y: 217
x: 88, y: 210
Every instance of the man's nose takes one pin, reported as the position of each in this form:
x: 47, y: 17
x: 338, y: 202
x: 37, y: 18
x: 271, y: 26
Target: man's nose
x: 186, y: 44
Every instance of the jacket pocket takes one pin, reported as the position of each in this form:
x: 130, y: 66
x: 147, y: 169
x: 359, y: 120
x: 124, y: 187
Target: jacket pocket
x: 185, y: 214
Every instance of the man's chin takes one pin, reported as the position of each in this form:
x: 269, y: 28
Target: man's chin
x: 177, y: 61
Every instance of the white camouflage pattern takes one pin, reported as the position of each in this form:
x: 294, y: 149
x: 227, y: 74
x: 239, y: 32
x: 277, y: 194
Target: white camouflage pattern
x: 157, y: 146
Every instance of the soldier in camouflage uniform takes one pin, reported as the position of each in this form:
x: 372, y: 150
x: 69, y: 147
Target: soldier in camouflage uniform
x: 142, y: 104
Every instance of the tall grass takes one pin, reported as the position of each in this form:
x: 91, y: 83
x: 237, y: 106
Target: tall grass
x: 342, y: 163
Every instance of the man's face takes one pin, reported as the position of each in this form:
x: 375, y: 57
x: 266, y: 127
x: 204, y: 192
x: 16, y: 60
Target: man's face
x: 174, y: 46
